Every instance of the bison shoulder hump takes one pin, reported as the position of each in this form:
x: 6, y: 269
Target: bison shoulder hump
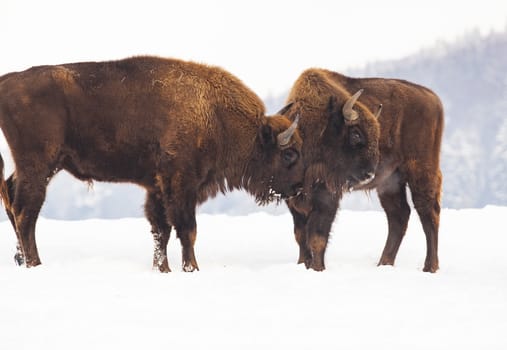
x: 65, y: 78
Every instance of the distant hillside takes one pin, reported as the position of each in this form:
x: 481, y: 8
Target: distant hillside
x: 469, y: 75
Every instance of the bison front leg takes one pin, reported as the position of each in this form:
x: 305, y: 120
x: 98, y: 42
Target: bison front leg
x: 160, y: 240
x: 320, y: 220
x: 180, y: 201
x: 187, y: 237
x: 160, y: 229
x: 300, y: 220
x: 186, y: 230
x: 318, y: 229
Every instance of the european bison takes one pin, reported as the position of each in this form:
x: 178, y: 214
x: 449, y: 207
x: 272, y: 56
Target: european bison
x: 183, y: 131
x: 411, y: 127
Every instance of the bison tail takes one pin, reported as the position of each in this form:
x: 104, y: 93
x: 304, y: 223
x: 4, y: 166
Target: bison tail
x: 4, y: 191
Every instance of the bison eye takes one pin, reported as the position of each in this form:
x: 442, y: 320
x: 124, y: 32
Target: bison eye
x: 289, y: 156
x: 356, y: 138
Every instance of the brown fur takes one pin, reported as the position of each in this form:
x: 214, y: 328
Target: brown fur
x: 183, y: 131
x: 4, y: 194
x: 411, y: 125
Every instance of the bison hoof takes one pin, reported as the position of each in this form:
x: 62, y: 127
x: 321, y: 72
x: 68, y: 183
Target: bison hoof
x: 190, y: 267
x: 314, y: 265
x: 164, y: 268
x: 34, y: 263
x: 161, y: 264
x: 308, y: 263
x: 430, y: 264
x: 385, y: 261
x: 317, y: 267
x: 305, y: 257
x: 431, y: 269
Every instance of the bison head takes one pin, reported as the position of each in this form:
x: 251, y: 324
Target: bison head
x: 276, y: 171
x: 352, y: 137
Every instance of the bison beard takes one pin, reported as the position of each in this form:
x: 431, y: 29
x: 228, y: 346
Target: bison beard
x: 183, y: 131
x: 409, y: 151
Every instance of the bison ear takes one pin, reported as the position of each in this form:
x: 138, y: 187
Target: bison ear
x: 266, y: 135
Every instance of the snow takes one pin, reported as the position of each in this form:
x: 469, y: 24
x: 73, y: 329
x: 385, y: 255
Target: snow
x: 96, y: 288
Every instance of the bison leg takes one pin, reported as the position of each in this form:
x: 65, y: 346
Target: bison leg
x: 320, y: 220
x: 426, y: 196
x: 19, y: 258
x: 29, y: 197
x: 187, y: 237
x: 393, y: 198
x: 300, y: 234
x: 186, y: 226
x: 160, y: 229
x: 180, y: 201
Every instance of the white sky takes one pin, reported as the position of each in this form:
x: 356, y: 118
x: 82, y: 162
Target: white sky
x: 266, y: 43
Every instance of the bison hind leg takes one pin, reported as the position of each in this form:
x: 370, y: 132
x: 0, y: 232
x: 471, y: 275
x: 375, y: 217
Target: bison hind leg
x: 28, y: 200
x: 393, y: 198
x: 160, y: 229
x: 19, y: 257
x: 426, y: 190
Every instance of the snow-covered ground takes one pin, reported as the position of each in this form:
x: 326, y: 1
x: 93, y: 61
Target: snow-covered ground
x: 96, y: 289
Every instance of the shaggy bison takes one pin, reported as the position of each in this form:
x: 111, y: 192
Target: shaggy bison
x: 340, y: 154
x: 183, y: 131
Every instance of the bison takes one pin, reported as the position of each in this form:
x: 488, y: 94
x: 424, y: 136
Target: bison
x: 181, y: 130
x: 340, y: 153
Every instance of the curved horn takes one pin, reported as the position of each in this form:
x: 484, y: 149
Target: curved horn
x: 379, y: 110
x: 286, y: 108
x: 349, y: 114
x: 284, y: 137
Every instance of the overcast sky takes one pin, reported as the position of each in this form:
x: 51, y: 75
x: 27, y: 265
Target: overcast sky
x: 266, y: 43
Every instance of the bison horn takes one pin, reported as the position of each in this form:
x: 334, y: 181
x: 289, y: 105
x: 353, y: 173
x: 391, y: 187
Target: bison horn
x: 286, y: 108
x: 379, y: 110
x: 284, y: 137
x: 349, y: 114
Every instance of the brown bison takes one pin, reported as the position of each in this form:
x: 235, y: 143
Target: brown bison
x: 340, y: 152
x: 183, y: 131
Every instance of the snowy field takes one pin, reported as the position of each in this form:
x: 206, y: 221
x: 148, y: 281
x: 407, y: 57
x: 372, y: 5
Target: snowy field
x: 96, y: 289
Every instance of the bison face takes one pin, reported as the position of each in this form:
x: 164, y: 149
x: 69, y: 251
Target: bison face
x: 277, y: 169
x: 353, y: 136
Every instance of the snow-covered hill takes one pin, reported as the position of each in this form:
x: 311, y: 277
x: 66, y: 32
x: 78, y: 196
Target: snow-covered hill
x: 470, y: 76
x: 96, y: 289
